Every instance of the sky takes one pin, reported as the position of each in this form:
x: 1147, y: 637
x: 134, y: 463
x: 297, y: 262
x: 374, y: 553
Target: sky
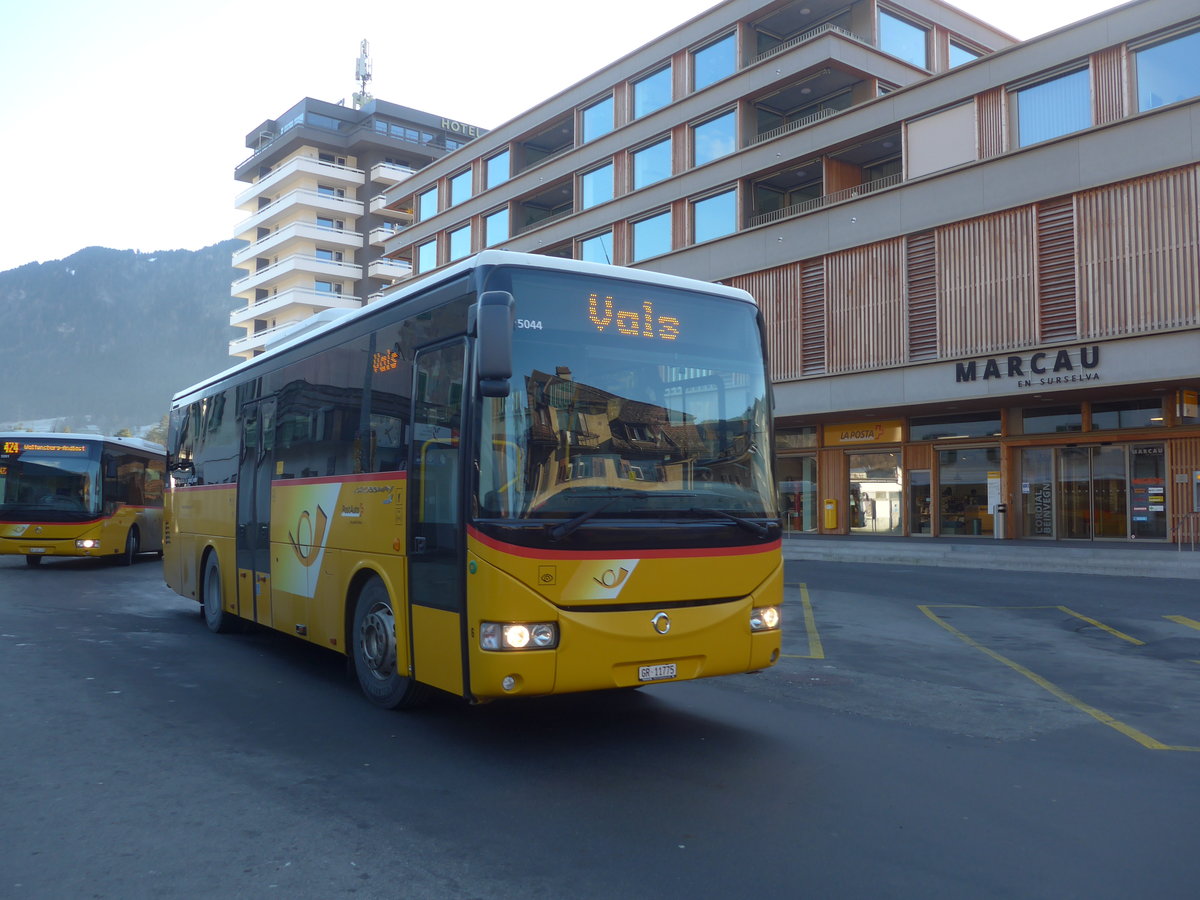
x: 123, y: 120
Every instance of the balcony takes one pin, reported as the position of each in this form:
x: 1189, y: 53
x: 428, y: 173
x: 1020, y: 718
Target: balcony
x: 295, y: 170
x: 297, y: 301
x: 258, y: 341
x: 804, y: 37
x: 297, y: 264
x: 306, y: 233
x: 796, y: 209
x: 292, y: 201
x: 380, y: 235
x: 389, y: 269
x: 390, y: 173
x: 399, y: 213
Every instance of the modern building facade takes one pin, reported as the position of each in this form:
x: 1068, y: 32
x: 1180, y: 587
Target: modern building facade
x: 977, y: 258
x: 316, y: 221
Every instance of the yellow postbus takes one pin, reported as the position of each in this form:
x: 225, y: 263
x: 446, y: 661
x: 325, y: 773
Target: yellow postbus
x: 80, y: 495
x: 520, y: 476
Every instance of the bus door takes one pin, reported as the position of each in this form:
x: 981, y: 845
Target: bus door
x: 436, y: 540
x: 255, y: 467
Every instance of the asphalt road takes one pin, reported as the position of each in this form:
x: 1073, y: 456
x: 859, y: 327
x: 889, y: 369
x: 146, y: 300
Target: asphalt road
x: 931, y: 733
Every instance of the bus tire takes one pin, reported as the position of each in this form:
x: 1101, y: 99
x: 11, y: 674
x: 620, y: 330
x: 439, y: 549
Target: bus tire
x: 374, y: 651
x: 33, y: 559
x: 212, y: 598
x: 133, y: 544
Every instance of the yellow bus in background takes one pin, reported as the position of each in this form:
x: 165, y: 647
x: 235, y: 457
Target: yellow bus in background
x: 80, y: 495
x: 521, y: 476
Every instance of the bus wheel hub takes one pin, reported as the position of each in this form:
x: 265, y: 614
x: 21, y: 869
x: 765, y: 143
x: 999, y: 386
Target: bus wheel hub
x: 377, y: 640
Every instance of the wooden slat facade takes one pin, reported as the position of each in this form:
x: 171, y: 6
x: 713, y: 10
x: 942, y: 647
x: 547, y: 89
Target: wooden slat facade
x: 921, y: 277
x: 865, y: 302
x: 1139, y: 255
x: 986, y: 284
x: 1108, y: 85
x: 812, y: 315
x: 989, y: 112
x: 1057, y: 282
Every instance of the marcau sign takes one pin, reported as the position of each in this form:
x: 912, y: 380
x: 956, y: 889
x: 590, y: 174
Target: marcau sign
x: 1037, y: 370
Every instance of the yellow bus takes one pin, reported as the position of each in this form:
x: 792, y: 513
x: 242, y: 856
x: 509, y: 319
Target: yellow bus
x: 520, y: 476
x: 80, y: 495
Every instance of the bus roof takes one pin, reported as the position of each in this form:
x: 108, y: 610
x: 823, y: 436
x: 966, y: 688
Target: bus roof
x: 320, y: 323
x: 136, y: 443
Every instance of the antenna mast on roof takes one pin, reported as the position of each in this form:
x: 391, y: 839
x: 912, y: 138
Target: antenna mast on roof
x: 362, y: 71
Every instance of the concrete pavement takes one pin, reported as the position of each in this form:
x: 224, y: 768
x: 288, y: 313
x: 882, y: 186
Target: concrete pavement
x: 1146, y: 560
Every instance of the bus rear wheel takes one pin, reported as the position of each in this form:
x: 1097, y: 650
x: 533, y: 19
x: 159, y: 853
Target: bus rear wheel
x: 374, y: 649
x: 212, y: 598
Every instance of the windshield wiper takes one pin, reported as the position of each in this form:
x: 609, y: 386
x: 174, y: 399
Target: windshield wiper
x: 564, y: 529
x: 755, y: 528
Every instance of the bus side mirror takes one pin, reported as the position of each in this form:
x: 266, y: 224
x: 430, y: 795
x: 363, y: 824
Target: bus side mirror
x: 493, y: 342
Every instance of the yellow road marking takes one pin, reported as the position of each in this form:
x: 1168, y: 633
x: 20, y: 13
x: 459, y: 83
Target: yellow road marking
x: 1104, y: 627
x: 815, y: 650
x: 1099, y: 715
x: 1190, y: 623
x: 1184, y: 620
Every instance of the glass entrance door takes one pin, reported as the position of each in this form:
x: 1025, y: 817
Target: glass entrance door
x: 1093, y: 493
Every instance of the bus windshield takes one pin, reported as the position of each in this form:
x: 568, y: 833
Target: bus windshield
x: 54, y: 482
x: 628, y: 401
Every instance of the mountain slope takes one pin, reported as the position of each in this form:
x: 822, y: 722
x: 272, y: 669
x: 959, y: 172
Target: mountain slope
x: 112, y: 334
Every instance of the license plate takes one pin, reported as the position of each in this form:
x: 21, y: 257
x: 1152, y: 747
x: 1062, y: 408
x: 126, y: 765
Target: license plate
x: 656, y: 673
x: 36, y: 550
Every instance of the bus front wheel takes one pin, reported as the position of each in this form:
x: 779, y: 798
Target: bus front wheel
x: 373, y: 639
x: 133, y: 545
x: 212, y: 598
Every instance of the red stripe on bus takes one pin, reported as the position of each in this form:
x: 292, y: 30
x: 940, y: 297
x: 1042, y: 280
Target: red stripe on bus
x: 532, y: 553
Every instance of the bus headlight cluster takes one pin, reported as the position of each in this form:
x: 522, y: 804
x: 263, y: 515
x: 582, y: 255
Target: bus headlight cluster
x: 764, y: 618
x: 87, y: 544
x: 518, y: 635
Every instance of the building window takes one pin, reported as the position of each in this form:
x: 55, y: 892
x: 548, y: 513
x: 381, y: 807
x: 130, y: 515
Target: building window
x: 497, y: 169
x: 714, y: 138
x: 651, y: 164
x: 960, y: 54
x: 713, y: 62
x: 652, y: 237
x: 427, y: 204
x: 427, y: 256
x: 596, y: 186
x: 1052, y: 420
x: 652, y: 92
x: 328, y: 287
x: 495, y: 228
x: 903, y: 39
x: 1127, y: 414
x: 714, y: 217
x: 597, y: 119
x: 460, y: 243
x: 965, y: 478
x: 334, y: 224
x: 329, y: 255
x: 460, y: 187
x: 326, y: 190
x: 597, y: 248
x: 945, y: 428
x: 1053, y: 108
x: 1168, y: 72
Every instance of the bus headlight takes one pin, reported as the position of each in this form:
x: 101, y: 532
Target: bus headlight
x: 87, y: 544
x: 764, y: 618
x: 518, y: 635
